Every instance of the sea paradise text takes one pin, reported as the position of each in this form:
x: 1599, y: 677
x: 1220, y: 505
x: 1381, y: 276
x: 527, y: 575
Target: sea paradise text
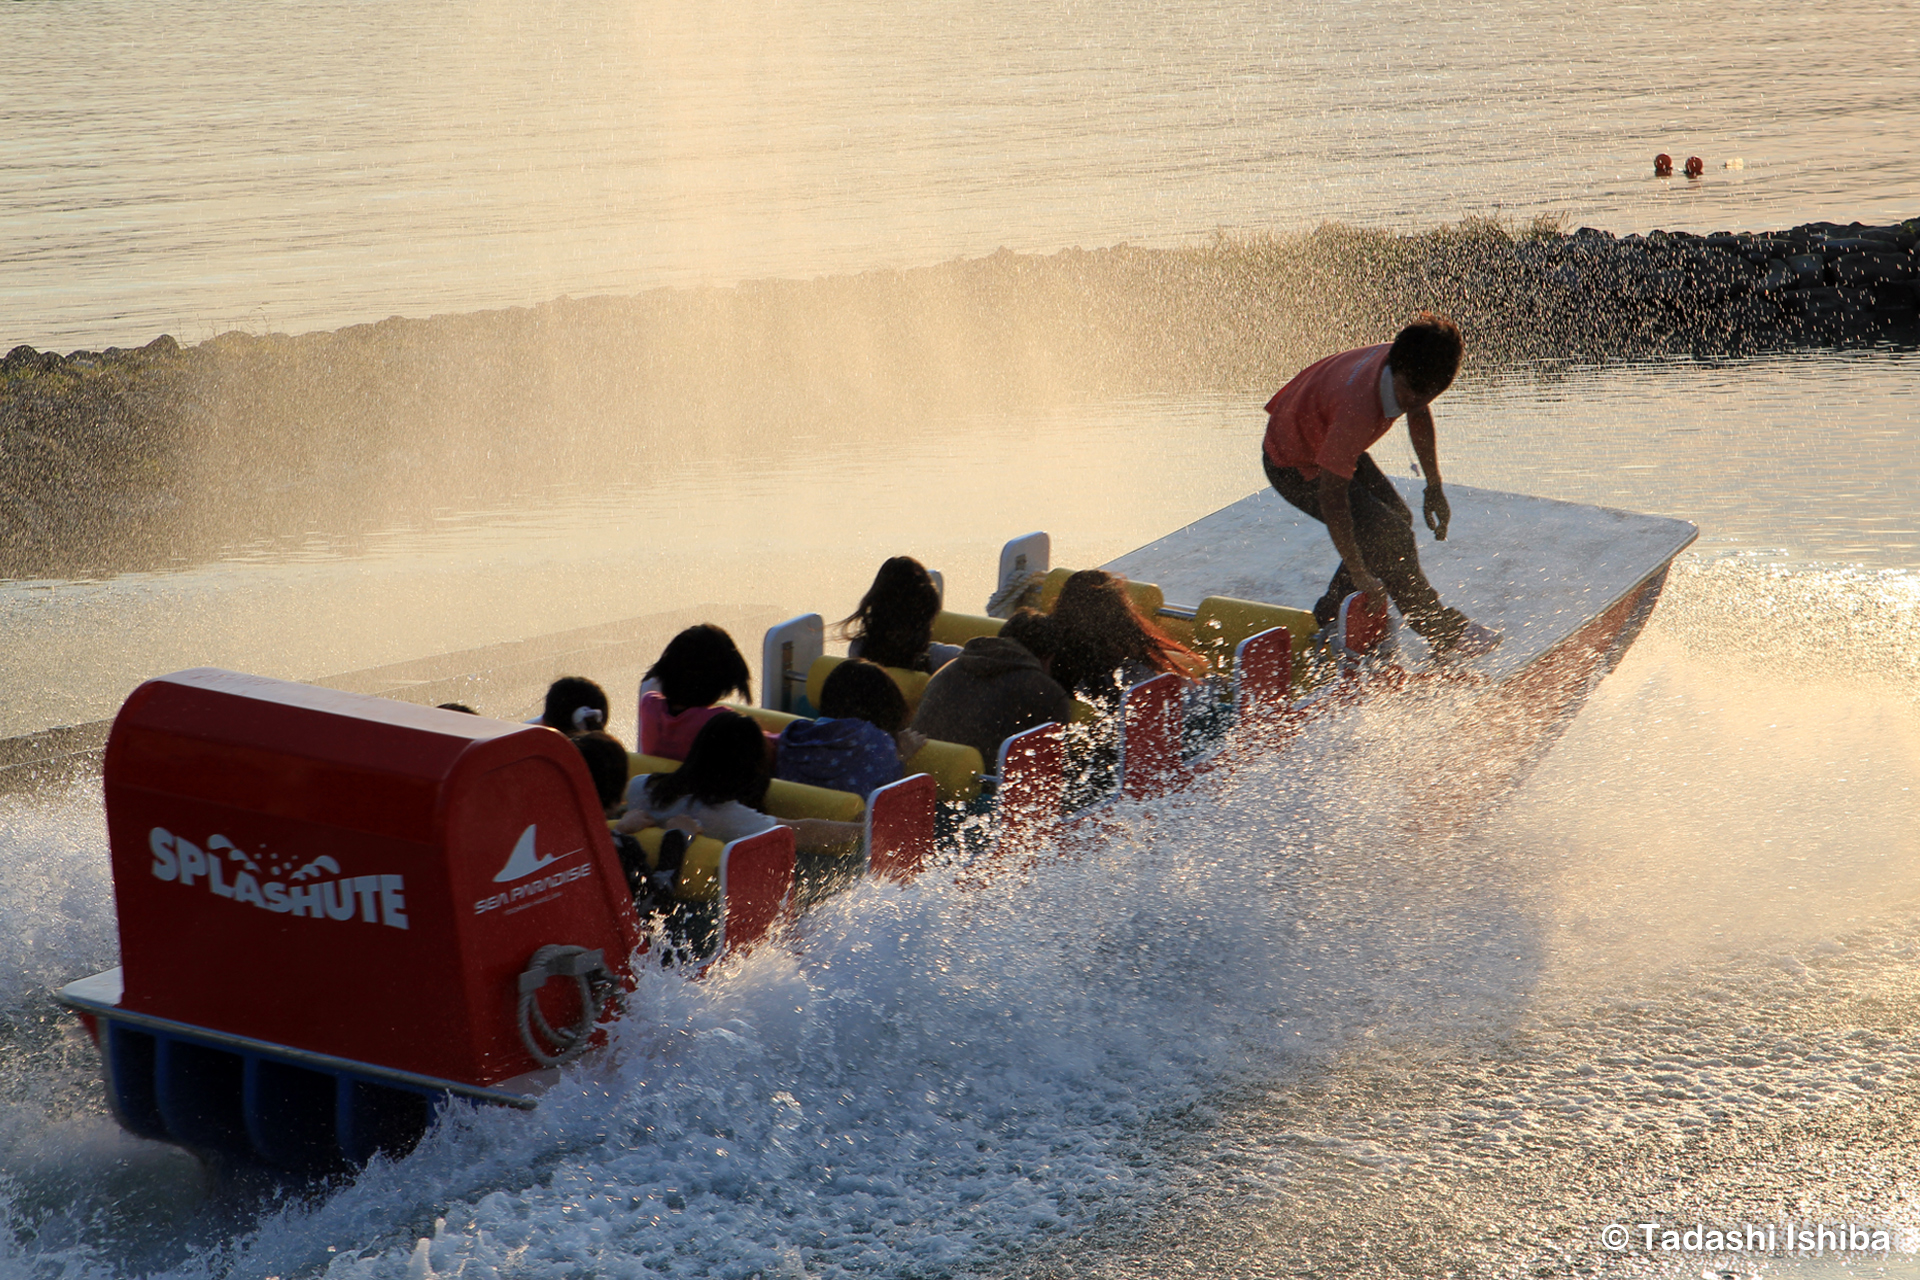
x: 533, y: 889
x: 378, y: 899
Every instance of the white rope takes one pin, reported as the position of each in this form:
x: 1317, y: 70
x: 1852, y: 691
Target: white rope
x: 556, y: 1046
x: 1013, y: 593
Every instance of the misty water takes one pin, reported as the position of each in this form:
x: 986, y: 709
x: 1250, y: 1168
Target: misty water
x: 1284, y: 1029
x: 234, y: 168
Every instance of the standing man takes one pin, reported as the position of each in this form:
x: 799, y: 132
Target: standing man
x: 1319, y: 428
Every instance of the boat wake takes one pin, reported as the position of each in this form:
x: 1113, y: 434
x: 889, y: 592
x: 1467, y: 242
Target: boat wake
x: 940, y: 1079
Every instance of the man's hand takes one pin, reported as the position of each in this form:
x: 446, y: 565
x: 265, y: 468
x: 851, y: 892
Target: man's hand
x: 1420, y: 431
x: 1438, y: 513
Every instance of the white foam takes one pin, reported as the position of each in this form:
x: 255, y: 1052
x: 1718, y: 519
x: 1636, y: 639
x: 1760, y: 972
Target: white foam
x: 934, y: 1079
x: 57, y: 894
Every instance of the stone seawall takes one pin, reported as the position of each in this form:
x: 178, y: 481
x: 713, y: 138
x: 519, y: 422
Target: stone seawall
x: 1813, y: 284
x: 114, y: 460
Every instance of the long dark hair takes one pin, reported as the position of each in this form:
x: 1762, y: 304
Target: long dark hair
x: 699, y: 667
x: 1101, y: 630
x: 894, y: 623
x: 727, y: 761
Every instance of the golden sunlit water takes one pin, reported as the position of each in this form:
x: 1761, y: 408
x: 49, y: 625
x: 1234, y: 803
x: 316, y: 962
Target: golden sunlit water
x: 237, y: 166
x: 1290, y: 1028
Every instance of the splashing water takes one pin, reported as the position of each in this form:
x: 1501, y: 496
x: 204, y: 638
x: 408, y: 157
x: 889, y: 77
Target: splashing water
x: 1278, y: 1003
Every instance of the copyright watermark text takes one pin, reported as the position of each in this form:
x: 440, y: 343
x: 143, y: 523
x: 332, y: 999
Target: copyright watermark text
x: 1752, y: 1238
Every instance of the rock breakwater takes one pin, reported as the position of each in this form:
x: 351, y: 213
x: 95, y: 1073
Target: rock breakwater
x: 1817, y: 283
x: 129, y: 459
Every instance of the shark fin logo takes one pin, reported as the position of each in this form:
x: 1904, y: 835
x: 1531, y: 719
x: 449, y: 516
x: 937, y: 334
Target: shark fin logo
x: 530, y: 889
x: 523, y: 862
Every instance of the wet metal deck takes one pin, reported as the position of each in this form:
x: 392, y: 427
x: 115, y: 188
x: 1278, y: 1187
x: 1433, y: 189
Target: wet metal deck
x: 1532, y: 568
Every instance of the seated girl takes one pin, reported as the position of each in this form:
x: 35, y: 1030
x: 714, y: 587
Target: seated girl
x: 861, y: 740
x: 712, y: 791
x: 699, y: 667
x: 894, y: 624
x: 1106, y: 644
x: 606, y: 763
x: 574, y: 705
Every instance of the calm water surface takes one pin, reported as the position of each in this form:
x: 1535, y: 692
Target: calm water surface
x: 1288, y: 1030
x: 292, y: 167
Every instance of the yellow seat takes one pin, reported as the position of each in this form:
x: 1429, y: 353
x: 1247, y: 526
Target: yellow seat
x: 1222, y: 622
x: 699, y: 878
x: 796, y: 800
x: 789, y: 800
x: 958, y: 628
x: 912, y: 684
x: 1178, y: 630
x: 770, y: 721
x: 955, y: 768
x: 638, y: 764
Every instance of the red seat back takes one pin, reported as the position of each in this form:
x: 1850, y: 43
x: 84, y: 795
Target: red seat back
x: 1262, y: 675
x: 900, y: 827
x: 1033, y: 787
x: 1153, y: 715
x: 756, y: 886
x: 1360, y: 630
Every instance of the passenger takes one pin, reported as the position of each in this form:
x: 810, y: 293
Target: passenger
x: 575, y: 705
x: 607, y: 764
x: 861, y: 740
x: 698, y: 667
x: 894, y: 624
x: 997, y: 687
x: 722, y: 774
x: 1107, y: 644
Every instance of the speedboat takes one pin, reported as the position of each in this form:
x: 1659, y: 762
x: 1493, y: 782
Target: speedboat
x: 340, y: 914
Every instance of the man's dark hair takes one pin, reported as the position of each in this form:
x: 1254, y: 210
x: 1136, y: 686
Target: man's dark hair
x: 1033, y: 631
x: 606, y: 764
x: 457, y: 706
x: 1427, y: 353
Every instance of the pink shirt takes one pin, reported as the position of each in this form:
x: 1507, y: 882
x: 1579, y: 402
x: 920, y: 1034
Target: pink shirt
x: 1330, y: 413
x: 666, y: 735
x: 670, y: 736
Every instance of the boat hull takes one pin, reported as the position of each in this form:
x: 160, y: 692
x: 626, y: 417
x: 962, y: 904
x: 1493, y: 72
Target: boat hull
x: 242, y: 1102
x: 1571, y: 603
x: 1511, y: 725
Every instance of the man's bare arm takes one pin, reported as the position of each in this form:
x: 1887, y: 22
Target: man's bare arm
x: 1337, y: 511
x: 1438, y: 512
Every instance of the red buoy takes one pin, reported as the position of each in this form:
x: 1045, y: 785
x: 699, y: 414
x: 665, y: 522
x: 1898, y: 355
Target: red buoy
x: 1695, y: 166
x: 1663, y: 165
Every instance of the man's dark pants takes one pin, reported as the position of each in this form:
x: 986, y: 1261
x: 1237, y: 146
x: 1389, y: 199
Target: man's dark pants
x: 1383, y: 528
